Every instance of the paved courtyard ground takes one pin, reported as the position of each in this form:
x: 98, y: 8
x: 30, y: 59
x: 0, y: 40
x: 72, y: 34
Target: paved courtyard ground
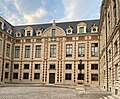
x: 49, y: 93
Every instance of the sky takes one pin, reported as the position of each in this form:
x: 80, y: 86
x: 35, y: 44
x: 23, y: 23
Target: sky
x: 19, y: 12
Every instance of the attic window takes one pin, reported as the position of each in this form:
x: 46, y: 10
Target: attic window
x: 0, y: 25
x: 18, y: 34
x: 69, y: 30
x: 53, y: 32
x: 38, y: 32
x: 94, y: 28
x: 28, y: 33
x: 81, y: 29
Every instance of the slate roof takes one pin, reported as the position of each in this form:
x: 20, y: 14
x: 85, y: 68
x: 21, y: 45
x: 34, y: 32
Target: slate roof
x: 63, y: 25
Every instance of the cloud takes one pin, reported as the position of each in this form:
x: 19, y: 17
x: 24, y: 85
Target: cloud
x: 34, y: 16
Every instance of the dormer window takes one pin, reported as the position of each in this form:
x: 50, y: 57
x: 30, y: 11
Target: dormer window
x: 0, y: 25
x: 81, y: 27
x: 18, y: 34
x: 9, y: 30
x: 53, y: 32
x: 69, y: 30
x: 38, y: 32
x: 28, y: 31
x: 94, y: 29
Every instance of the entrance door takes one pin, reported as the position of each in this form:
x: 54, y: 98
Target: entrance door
x: 52, y: 78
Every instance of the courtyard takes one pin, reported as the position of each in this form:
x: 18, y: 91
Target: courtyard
x: 49, y: 92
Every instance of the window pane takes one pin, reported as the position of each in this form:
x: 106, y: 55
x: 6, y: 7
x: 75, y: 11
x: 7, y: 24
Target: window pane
x: 69, y: 50
x: 0, y: 47
x: 81, y: 49
x: 94, y: 49
x: 81, y: 30
x: 53, y: 51
x: 94, y: 77
x: 67, y: 76
x: 17, y: 51
x: 27, y: 51
x: 8, y: 50
x: 38, y: 51
x: 53, y: 32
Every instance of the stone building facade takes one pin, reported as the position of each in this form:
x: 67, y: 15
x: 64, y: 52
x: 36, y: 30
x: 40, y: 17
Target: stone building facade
x: 109, y: 30
x: 50, y: 53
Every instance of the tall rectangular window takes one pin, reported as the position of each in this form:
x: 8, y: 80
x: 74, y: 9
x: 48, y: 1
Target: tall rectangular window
x: 0, y: 47
x: 17, y: 51
x: 81, y: 66
x: 81, y: 29
x: 53, y: 51
x: 115, y: 47
x: 27, y: 51
x: 110, y: 55
x: 115, y: 10
x: 116, y: 72
x: 53, y: 32
x: 94, y: 77
x: 0, y: 25
x: 94, y: 66
x: 110, y: 74
x: 28, y: 33
x: 38, y: 51
x: 7, y: 65
x: 69, y: 50
x: 94, y: 49
x: 8, y: 50
x: 81, y: 49
x: 6, y: 75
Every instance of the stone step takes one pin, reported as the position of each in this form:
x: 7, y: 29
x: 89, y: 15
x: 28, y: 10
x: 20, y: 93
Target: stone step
x: 105, y: 98
x: 114, y: 97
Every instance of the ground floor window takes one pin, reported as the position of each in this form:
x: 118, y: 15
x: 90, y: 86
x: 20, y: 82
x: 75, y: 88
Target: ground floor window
x: 68, y: 76
x: 36, y: 75
x: 25, y: 75
x: 6, y: 75
x: 80, y: 76
x: 15, y: 75
x: 94, y: 77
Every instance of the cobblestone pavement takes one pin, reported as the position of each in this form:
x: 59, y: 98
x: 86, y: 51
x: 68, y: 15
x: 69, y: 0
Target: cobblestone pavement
x: 48, y: 93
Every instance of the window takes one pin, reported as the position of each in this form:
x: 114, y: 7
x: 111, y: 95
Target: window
x: 94, y: 77
x: 53, y: 32
x: 81, y: 29
x: 68, y: 76
x: 80, y: 66
x: 94, y: 49
x: 52, y: 66
x: 80, y: 76
x: 69, y: 50
x: 17, y: 51
x: 36, y: 75
x: 115, y: 10
x: 68, y: 66
x: 115, y: 47
x: 81, y: 49
x: 94, y: 66
x: 0, y: 47
x: 109, y: 55
x: 26, y: 66
x: 15, y: 75
x: 116, y: 72
x: 25, y: 75
x: 38, y: 51
x: 6, y: 75
x: 53, y: 51
x: 16, y: 66
x: 110, y: 74
x: 37, y: 66
x: 8, y: 50
x: 28, y: 33
x: 27, y: 51
x: 7, y: 65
